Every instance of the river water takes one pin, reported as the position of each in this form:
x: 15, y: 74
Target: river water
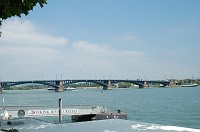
x: 164, y: 106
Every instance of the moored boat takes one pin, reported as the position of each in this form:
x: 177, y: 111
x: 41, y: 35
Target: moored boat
x: 69, y: 88
x: 50, y: 88
x: 189, y: 85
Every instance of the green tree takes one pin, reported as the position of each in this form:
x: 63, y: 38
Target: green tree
x: 124, y: 85
x: 10, y: 8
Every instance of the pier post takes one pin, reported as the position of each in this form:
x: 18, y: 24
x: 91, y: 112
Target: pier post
x: 60, y: 109
x: 0, y: 89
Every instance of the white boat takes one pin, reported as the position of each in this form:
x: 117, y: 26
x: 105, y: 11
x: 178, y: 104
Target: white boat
x: 64, y: 88
x: 189, y: 85
x: 69, y: 88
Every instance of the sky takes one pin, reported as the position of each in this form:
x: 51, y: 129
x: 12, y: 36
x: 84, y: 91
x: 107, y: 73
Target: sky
x: 103, y: 39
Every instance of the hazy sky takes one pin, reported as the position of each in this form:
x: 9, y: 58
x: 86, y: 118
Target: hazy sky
x: 101, y: 39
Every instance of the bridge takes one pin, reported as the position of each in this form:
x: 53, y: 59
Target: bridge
x: 59, y: 84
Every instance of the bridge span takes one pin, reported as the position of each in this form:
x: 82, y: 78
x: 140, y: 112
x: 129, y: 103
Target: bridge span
x: 58, y: 84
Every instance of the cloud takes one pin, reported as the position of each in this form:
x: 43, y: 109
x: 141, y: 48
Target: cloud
x: 101, y: 57
x: 23, y: 32
x: 105, y: 50
x: 26, y: 49
x: 22, y: 41
x: 129, y: 37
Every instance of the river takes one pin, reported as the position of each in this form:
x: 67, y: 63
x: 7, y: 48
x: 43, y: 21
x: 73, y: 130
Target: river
x: 164, y: 106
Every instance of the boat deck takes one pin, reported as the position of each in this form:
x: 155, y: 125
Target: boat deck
x: 34, y: 111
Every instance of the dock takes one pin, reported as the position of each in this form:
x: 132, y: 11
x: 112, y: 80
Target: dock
x: 77, y: 112
x: 34, y: 111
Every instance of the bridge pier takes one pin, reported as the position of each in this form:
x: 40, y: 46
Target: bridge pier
x: 108, y: 86
x: 60, y: 86
x: 146, y: 85
x: 60, y: 89
x: 143, y: 84
x: 0, y: 89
